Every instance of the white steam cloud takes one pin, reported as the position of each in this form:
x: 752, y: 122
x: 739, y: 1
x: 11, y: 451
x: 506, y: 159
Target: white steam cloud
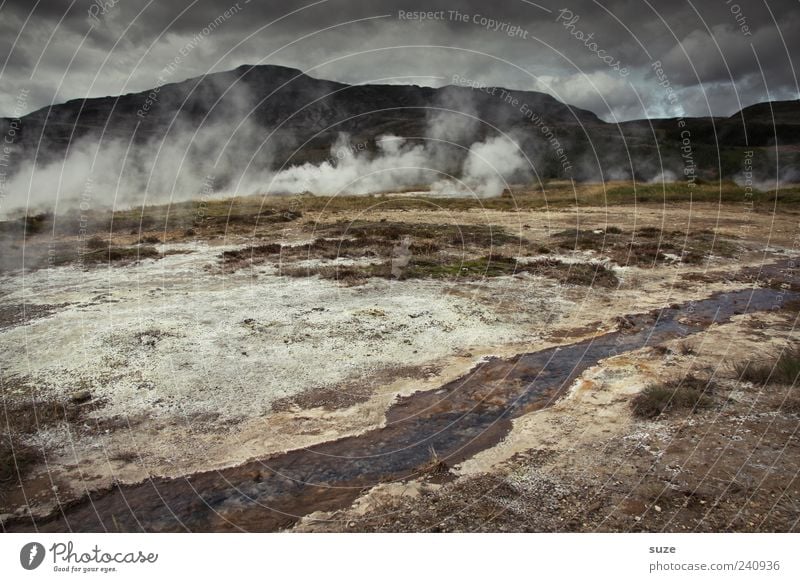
x: 237, y: 159
x: 488, y: 169
x: 117, y: 174
x: 398, y: 164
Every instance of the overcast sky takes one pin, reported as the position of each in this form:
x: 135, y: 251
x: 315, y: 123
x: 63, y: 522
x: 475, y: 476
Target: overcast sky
x: 716, y: 55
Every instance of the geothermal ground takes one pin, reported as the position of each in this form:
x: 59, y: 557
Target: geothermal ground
x: 566, y: 360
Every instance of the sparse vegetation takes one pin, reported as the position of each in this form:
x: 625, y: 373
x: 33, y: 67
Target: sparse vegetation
x: 266, y: 216
x: 781, y: 369
x: 482, y: 236
x: 126, y: 457
x: 348, y: 276
x: 435, y: 251
x: 116, y: 254
x: 443, y: 267
x: 648, y: 246
x: 206, y: 216
x: 98, y: 252
x: 584, y: 274
x: 444, y: 256
x: 96, y: 242
x: 431, y: 244
x: 689, y: 393
x: 238, y: 258
x: 435, y: 466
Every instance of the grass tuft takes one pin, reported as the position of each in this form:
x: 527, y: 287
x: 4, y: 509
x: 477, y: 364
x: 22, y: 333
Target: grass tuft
x: 689, y: 393
x: 781, y: 369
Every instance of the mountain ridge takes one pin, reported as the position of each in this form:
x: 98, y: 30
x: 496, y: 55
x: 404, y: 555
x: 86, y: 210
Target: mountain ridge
x: 305, y: 115
x: 791, y: 106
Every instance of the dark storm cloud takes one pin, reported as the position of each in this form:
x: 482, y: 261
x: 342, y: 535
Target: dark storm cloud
x: 717, y: 54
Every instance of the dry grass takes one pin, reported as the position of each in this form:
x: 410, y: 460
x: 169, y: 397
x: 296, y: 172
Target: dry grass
x: 206, y: 216
x: 689, y: 394
x: 646, y: 247
x: 99, y: 252
x: 349, y: 276
x: 434, y: 251
x: 583, y: 274
x: 446, y: 267
x: 783, y: 368
x: 252, y: 255
x: 431, y: 244
x: 482, y: 236
x: 435, y: 466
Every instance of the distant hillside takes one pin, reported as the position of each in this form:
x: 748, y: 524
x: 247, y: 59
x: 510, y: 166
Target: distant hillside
x: 779, y: 112
x: 297, y: 118
x: 277, y: 98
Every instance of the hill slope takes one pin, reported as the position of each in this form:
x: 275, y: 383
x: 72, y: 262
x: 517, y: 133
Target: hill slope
x: 279, y: 117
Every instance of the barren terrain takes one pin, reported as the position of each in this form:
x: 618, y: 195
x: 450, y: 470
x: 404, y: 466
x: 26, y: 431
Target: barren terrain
x: 213, y: 339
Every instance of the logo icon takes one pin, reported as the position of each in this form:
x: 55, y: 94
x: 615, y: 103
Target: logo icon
x: 31, y: 555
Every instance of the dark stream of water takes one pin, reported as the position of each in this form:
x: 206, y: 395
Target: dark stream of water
x: 457, y: 420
